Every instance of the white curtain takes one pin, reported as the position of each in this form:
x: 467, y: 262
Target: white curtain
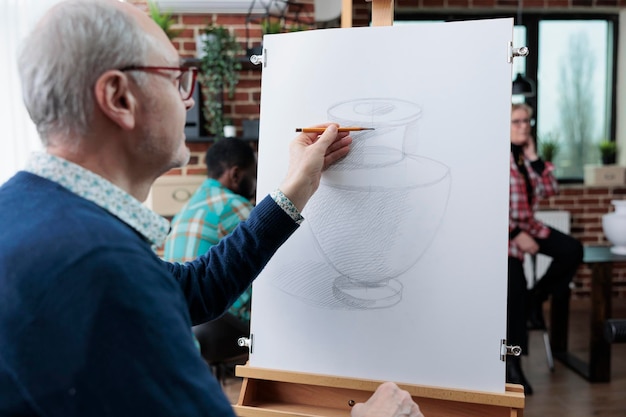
x: 18, y: 136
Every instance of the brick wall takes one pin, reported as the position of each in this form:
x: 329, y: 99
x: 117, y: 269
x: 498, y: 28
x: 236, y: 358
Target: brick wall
x: 586, y: 204
x: 246, y: 102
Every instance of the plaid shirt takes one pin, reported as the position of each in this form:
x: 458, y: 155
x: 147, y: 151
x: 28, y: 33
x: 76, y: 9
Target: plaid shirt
x: 521, y: 212
x: 212, y: 213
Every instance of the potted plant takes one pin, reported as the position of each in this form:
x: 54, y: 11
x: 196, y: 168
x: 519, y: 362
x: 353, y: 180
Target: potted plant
x: 548, y: 149
x: 164, y: 20
x: 230, y: 131
x: 271, y: 25
x: 220, y: 66
x: 608, y: 151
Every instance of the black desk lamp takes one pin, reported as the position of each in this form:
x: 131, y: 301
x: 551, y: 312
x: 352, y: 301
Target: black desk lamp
x: 523, y: 86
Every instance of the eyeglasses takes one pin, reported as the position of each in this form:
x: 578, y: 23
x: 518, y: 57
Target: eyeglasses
x: 186, y: 79
x: 518, y: 122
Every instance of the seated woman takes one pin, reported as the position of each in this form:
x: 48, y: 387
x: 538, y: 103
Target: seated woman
x: 532, y: 179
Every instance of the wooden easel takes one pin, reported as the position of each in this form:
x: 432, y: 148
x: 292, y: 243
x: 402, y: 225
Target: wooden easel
x: 266, y: 392
x: 382, y: 13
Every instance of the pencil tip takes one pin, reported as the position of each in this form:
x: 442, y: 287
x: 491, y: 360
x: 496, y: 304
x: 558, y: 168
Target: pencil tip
x: 298, y: 129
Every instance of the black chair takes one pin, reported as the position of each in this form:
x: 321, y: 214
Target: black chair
x: 218, y: 344
x: 615, y: 330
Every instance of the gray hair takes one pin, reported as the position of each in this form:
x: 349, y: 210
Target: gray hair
x: 63, y: 57
x: 522, y: 106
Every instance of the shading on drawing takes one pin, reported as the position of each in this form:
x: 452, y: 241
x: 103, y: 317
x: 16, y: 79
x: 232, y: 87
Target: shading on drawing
x: 384, y: 196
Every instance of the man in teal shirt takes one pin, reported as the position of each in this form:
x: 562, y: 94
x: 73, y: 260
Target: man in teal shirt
x: 221, y: 202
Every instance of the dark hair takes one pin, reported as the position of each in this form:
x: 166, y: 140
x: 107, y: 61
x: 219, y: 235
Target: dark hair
x: 226, y: 153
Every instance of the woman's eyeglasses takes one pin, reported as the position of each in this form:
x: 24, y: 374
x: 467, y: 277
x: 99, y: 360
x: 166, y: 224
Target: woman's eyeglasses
x: 518, y: 122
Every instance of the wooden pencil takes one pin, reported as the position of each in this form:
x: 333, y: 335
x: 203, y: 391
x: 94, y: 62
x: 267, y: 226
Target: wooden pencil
x: 322, y: 129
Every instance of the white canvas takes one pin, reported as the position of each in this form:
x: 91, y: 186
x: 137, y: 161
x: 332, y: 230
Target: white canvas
x: 399, y: 270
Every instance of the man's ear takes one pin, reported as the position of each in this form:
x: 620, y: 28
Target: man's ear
x: 233, y: 176
x: 235, y: 172
x: 115, y: 99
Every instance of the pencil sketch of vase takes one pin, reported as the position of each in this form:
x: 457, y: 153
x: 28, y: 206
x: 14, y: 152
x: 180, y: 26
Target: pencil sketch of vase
x: 376, y: 212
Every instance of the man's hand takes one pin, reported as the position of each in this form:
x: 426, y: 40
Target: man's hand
x: 388, y: 401
x: 309, y: 155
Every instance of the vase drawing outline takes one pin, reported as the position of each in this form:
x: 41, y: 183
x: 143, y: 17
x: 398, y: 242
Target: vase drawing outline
x: 387, y: 198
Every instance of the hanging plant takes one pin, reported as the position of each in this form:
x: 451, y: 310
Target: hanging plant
x: 220, y: 73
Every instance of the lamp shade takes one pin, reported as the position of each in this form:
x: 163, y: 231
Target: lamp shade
x: 523, y: 86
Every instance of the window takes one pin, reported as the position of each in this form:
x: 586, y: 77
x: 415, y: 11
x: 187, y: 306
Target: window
x: 574, y: 85
x: 519, y: 63
x: 573, y: 63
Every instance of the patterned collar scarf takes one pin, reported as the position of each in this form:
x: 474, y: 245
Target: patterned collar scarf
x: 96, y: 189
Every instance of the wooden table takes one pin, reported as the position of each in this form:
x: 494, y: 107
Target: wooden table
x: 598, y: 368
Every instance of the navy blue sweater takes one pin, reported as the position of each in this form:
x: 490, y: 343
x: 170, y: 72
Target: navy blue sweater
x: 93, y: 323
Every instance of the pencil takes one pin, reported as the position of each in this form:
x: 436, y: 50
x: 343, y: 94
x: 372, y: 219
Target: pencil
x: 322, y: 129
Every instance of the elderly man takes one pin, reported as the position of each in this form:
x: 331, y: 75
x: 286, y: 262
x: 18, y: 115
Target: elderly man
x: 92, y: 322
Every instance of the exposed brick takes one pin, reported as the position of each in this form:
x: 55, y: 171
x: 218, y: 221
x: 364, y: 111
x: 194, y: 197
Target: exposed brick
x: 196, y: 147
x: 563, y: 202
x: 534, y: 3
x: 248, y: 109
x: 186, y: 33
x: 433, y: 3
x: 589, y: 201
x: 406, y: 3
x: 245, y: 84
x: 483, y: 3
x: 572, y: 191
x: 597, y: 210
x: 196, y: 171
x: 559, y: 4
x: 197, y: 19
x: 227, y: 19
x: 241, y: 95
x: 175, y: 171
x: 189, y: 46
x: 597, y: 191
